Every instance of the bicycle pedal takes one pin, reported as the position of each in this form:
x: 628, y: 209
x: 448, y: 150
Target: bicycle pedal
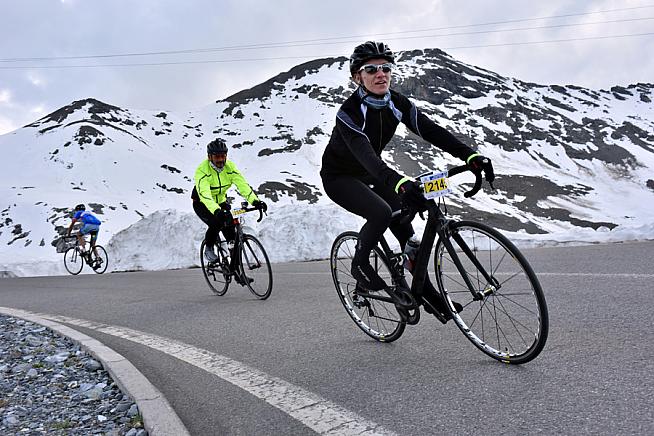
x: 432, y: 310
x: 407, y: 317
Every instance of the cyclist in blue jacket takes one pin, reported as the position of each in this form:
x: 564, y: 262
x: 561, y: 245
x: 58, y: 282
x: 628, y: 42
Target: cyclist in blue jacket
x: 90, y: 225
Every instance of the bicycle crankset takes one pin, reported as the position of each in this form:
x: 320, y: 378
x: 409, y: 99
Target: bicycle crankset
x: 402, y: 298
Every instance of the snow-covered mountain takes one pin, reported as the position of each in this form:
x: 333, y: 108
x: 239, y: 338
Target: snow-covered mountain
x: 570, y: 161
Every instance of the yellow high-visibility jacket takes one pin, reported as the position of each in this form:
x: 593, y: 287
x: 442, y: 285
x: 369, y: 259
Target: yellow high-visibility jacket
x: 211, y: 186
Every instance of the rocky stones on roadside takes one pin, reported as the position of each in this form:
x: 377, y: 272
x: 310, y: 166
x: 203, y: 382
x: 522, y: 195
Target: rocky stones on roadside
x: 49, y: 385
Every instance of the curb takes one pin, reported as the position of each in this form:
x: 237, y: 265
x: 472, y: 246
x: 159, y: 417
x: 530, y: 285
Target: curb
x: 159, y: 418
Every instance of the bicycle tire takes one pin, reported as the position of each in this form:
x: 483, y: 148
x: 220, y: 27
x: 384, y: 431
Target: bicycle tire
x: 217, y: 275
x: 378, y: 319
x: 510, y: 323
x: 102, y: 254
x: 255, y: 268
x: 73, y: 261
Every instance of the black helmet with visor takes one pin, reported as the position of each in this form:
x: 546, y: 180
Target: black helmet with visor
x: 217, y: 146
x: 369, y: 50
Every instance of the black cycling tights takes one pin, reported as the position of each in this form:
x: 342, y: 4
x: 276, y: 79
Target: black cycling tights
x: 372, y: 201
x: 215, y: 224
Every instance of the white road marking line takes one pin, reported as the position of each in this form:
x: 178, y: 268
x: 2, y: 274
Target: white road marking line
x: 317, y: 413
x: 554, y: 274
x: 617, y: 275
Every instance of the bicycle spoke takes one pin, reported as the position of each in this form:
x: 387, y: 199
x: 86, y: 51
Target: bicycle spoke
x: 513, y: 322
x: 500, y: 294
x: 511, y: 277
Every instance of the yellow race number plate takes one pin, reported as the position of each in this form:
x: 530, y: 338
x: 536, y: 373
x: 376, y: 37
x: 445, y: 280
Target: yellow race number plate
x: 435, y: 185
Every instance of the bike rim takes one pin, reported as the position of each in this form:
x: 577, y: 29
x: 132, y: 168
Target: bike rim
x: 102, y: 254
x: 510, y: 322
x: 216, y: 275
x: 255, y: 267
x: 378, y: 319
x: 73, y: 261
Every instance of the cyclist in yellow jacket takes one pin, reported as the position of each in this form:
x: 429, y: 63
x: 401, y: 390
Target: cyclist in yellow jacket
x: 213, y: 178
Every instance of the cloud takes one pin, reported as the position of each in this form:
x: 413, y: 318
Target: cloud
x: 73, y: 28
x: 38, y: 110
x: 6, y: 125
x: 5, y: 97
x: 36, y: 79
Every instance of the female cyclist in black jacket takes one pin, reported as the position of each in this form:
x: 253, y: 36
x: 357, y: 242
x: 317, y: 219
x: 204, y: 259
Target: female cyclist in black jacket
x: 353, y: 173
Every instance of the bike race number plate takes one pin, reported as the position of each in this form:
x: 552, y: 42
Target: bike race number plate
x: 435, y: 185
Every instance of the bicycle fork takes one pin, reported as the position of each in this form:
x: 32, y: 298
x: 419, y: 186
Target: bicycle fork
x: 437, y: 223
x: 492, y: 285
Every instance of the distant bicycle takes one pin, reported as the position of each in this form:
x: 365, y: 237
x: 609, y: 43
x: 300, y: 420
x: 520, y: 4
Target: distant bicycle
x: 75, y: 257
x: 504, y: 312
x: 251, y: 267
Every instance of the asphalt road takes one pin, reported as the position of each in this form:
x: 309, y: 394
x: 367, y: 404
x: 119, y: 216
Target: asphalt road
x: 594, y: 375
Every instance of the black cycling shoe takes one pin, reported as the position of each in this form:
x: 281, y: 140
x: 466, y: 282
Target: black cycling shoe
x: 434, y: 304
x: 241, y: 281
x: 366, y: 276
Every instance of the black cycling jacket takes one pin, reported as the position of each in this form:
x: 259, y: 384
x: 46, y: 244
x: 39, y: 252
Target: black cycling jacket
x: 361, y: 133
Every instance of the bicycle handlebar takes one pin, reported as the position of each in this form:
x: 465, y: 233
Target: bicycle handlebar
x: 249, y: 209
x: 478, y: 179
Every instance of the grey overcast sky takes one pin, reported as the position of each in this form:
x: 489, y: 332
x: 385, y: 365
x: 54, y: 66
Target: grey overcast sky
x: 71, y: 45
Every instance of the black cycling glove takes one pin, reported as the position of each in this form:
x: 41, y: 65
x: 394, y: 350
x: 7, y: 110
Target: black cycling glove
x: 222, y: 215
x: 260, y: 205
x: 412, y: 196
x: 478, y: 163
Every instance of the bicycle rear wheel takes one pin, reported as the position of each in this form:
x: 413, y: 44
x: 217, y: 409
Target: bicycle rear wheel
x: 73, y: 261
x: 217, y: 273
x: 101, y: 261
x: 510, y: 322
x: 256, y: 272
x: 378, y: 319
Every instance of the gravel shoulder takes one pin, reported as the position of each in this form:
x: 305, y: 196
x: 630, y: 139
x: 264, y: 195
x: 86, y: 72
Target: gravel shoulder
x: 50, y: 385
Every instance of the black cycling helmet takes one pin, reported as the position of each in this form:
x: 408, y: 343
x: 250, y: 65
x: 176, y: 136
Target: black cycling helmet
x: 369, y: 50
x: 216, y: 146
x: 80, y: 207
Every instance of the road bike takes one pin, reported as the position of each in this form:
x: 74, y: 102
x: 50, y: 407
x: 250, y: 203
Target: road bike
x: 75, y: 256
x: 250, y: 266
x: 504, y: 313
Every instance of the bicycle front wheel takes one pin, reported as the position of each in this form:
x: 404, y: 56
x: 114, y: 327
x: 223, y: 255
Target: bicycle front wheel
x: 377, y: 318
x: 217, y: 273
x: 73, y: 261
x: 101, y: 261
x: 508, y: 319
x: 255, y: 267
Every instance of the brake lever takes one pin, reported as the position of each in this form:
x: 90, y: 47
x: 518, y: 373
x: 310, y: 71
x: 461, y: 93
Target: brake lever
x: 476, y: 187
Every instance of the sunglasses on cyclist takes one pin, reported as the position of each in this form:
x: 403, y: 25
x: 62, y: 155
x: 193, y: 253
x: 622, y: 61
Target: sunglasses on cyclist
x: 373, y: 68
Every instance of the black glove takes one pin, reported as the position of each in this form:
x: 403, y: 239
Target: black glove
x: 222, y: 215
x: 412, y: 196
x: 225, y: 206
x: 478, y: 163
x: 260, y: 205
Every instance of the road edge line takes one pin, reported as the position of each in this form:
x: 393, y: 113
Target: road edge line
x: 159, y: 418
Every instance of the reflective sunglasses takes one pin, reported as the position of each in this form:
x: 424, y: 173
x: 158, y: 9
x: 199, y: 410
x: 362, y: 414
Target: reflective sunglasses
x: 373, y: 68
